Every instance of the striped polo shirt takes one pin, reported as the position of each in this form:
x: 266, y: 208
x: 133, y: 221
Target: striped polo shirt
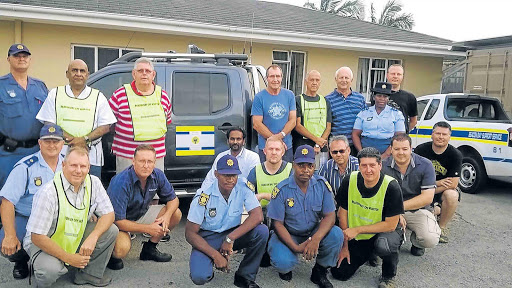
x: 344, y: 112
x: 124, y: 145
x: 331, y: 172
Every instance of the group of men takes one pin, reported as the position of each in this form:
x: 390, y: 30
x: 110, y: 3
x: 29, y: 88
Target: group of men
x: 73, y: 221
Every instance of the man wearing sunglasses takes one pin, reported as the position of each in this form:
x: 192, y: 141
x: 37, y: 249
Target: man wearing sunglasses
x: 341, y: 164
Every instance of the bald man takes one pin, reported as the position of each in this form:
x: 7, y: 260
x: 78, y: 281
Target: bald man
x: 313, y: 118
x: 81, y: 111
x: 345, y: 104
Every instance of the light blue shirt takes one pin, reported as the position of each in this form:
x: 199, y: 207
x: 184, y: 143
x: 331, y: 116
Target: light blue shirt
x: 380, y: 126
x: 275, y: 110
x: 210, y: 210
x: 301, y: 212
x: 28, y: 175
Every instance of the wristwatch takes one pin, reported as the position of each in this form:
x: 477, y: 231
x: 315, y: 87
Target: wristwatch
x: 86, y: 138
x: 284, y: 134
x: 228, y: 240
x: 317, y: 146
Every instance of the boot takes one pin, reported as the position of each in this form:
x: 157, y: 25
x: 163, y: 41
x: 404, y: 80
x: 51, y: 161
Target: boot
x: 319, y: 277
x: 149, y: 252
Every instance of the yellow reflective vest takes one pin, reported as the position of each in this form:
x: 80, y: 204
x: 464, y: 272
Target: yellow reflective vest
x: 265, y: 183
x: 314, y: 115
x: 75, y: 116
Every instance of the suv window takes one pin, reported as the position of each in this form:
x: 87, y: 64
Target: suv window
x: 108, y: 84
x: 474, y: 109
x: 421, y: 107
x: 432, y: 109
x: 199, y: 93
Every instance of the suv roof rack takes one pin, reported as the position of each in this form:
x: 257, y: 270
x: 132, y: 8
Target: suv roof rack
x: 234, y: 59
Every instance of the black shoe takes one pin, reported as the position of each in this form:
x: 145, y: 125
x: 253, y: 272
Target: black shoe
x: 417, y: 251
x: 20, y: 270
x: 286, y: 276
x: 166, y: 238
x: 374, y: 260
x: 265, y: 260
x: 149, y: 252
x: 319, y: 277
x: 242, y: 282
x: 115, y: 264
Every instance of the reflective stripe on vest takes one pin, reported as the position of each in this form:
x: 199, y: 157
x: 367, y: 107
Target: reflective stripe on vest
x: 266, y: 182
x: 148, y: 116
x: 314, y: 115
x: 365, y: 211
x: 71, y: 221
x: 76, y: 116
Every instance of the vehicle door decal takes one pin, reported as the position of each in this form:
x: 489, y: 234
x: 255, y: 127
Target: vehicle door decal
x: 483, y: 135
x: 195, y: 140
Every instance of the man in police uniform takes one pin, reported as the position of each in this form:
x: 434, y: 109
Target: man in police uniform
x: 82, y: 112
x: 313, y: 118
x: 370, y: 204
x: 23, y: 182
x: 59, y: 230
x: 302, y: 212
x: 21, y: 98
x: 214, y: 231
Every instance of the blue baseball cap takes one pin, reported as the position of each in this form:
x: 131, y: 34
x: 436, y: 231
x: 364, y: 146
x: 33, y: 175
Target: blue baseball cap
x: 304, y: 154
x: 51, y: 131
x: 17, y: 48
x: 228, y: 164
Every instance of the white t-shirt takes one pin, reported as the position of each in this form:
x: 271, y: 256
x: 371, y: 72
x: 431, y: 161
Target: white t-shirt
x: 104, y: 116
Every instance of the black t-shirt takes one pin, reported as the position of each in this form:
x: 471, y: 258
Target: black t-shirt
x: 298, y: 139
x: 393, y: 202
x: 446, y: 164
x: 407, y: 103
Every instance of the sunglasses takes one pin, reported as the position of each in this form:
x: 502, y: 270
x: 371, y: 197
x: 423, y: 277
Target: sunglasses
x: 341, y: 151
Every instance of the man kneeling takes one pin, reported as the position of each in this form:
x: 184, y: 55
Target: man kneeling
x: 131, y: 192
x: 214, y: 231
x: 58, y: 230
x: 370, y: 204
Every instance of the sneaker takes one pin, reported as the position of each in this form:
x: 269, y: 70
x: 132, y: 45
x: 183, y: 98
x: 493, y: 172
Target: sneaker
x: 286, y: 276
x: 387, y: 282
x: 319, y: 277
x: 417, y: 251
x: 82, y: 278
x: 444, y: 235
x: 149, y: 252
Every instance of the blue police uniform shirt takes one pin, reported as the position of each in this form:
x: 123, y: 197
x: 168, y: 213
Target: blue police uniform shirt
x: 28, y: 175
x: 380, y: 126
x: 129, y: 200
x: 210, y: 210
x: 299, y: 212
x: 19, y: 107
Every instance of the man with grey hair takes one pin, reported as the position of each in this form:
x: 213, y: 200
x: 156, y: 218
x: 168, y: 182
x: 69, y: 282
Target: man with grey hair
x: 345, y: 104
x: 341, y: 164
x: 130, y: 104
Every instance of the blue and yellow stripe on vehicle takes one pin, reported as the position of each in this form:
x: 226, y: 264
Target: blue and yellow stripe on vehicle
x: 482, y: 135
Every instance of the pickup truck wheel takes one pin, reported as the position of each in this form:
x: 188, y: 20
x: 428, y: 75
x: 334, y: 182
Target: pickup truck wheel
x: 472, y: 175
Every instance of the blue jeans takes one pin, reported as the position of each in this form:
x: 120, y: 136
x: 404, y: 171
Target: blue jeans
x: 284, y: 259
x: 21, y: 229
x: 201, y: 266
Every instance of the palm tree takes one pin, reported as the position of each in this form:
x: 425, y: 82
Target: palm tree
x: 391, y: 16
x: 348, y: 8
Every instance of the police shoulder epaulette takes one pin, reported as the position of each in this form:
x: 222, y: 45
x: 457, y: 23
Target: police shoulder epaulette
x: 30, y: 161
x: 203, y: 199
x: 250, y: 186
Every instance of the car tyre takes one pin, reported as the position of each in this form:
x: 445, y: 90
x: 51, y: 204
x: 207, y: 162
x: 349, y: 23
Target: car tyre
x: 472, y: 175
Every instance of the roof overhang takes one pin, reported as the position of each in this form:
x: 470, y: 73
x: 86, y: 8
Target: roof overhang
x: 101, y: 20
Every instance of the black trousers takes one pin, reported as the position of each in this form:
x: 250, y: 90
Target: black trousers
x: 384, y: 245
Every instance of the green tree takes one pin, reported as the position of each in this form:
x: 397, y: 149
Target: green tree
x: 348, y: 8
x: 391, y: 16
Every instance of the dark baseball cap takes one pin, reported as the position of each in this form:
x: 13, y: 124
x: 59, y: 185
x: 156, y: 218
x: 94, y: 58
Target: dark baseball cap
x: 304, y: 154
x: 51, y: 131
x: 382, y: 88
x: 17, y: 48
x: 228, y: 164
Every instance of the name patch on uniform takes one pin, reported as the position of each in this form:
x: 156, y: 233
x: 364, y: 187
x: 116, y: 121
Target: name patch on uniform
x: 369, y: 119
x: 12, y: 94
x: 274, y: 193
x: 290, y: 202
x: 203, y: 199
x: 251, y: 186
x: 38, y: 181
x: 212, y: 212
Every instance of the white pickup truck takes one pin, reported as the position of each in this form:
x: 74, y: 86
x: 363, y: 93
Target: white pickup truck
x: 481, y: 130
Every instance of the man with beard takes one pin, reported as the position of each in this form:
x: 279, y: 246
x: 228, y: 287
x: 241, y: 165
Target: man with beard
x: 302, y: 212
x: 247, y: 159
x: 447, y: 161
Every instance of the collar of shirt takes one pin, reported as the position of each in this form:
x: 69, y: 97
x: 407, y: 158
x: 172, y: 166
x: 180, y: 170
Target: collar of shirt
x: 84, y: 94
x: 412, y: 164
x: 13, y: 81
x: 240, y: 155
x: 293, y: 183
x: 135, y: 178
x: 43, y: 163
x: 337, y: 93
x: 216, y: 192
x: 134, y: 88
x: 337, y: 168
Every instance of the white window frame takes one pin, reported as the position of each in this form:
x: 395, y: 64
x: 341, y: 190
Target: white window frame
x: 370, y: 69
x: 120, y: 49
x: 289, y: 65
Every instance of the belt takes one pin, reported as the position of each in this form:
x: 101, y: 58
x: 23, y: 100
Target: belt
x: 10, y: 144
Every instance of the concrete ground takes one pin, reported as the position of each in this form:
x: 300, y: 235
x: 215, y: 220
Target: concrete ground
x: 479, y: 255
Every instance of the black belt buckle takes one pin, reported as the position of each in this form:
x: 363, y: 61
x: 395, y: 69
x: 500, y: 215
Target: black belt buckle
x: 10, y: 145
x: 2, y: 139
